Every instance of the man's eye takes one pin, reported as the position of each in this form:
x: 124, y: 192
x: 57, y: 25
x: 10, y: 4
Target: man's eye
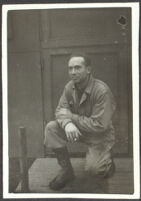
x: 77, y: 67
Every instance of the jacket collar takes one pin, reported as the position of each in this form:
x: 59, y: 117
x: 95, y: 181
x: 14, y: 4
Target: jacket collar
x: 89, y: 86
x: 87, y: 90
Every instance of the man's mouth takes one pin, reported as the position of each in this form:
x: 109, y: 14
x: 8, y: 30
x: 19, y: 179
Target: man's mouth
x: 74, y: 78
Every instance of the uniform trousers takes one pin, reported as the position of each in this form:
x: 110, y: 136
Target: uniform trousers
x: 98, y: 157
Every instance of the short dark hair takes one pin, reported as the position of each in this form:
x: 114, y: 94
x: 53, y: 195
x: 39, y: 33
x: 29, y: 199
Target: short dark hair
x: 85, y: 56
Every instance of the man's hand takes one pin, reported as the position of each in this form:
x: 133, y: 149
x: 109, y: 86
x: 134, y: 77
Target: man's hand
x: 63, y: 113
x: 72, y: 132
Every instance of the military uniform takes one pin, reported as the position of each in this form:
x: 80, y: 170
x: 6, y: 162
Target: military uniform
x: 92, y: 112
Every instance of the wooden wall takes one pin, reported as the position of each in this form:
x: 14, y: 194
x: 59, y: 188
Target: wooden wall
x: 40, y: 43
x: 24, y: 82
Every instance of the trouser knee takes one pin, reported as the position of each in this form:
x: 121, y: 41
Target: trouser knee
x: 54, y: 135
x: 50, y: 127
x: 99, y: 169
x: 97, y: 162
x: 50, y: 130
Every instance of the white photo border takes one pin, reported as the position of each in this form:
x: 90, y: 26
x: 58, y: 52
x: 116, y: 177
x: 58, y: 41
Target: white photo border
x: 135, y: 97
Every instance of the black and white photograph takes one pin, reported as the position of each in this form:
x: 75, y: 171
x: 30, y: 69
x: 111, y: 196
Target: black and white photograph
x: 70, y: 89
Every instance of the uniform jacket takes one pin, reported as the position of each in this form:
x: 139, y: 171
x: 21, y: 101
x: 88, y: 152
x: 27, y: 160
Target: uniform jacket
x: 93, y: 112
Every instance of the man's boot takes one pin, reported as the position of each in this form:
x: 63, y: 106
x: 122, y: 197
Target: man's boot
x: 66, y: 173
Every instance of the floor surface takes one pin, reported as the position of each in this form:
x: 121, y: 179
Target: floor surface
x: 43, y: 170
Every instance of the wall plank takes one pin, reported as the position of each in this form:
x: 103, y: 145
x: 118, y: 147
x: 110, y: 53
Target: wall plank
x: 25, y: 103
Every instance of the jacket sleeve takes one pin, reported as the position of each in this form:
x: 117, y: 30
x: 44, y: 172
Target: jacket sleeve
x: 101, y: 116
x: 62, y: 119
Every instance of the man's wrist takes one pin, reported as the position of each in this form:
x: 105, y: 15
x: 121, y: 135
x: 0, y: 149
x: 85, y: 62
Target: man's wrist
x: 74, y: 118
x: 65, y: 122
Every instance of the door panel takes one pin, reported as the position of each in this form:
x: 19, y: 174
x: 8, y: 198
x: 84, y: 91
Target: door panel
x: 95, y: 26
x: 105, y: 66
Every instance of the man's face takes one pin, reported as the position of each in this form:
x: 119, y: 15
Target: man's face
x: 78, y: 71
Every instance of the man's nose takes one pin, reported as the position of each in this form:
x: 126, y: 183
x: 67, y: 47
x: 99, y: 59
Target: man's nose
x: 73, y: 71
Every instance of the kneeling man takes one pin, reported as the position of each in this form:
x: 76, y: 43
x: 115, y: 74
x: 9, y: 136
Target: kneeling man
x: 84, y: 113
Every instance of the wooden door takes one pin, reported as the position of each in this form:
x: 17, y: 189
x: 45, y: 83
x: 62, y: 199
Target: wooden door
x: 102, y: 33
